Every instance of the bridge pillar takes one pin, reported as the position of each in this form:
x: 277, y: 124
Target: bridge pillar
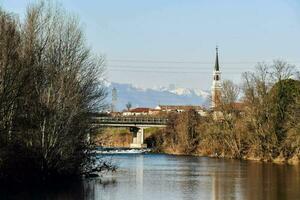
x: 138, y: 138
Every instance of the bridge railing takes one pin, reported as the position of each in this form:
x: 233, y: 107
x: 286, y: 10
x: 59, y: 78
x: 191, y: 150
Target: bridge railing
x: 129, y: 120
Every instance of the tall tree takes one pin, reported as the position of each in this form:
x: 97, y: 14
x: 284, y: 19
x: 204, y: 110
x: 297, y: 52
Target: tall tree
x: 55, y: 82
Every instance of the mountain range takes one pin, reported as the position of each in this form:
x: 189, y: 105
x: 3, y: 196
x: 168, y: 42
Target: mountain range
x: 152, y: 97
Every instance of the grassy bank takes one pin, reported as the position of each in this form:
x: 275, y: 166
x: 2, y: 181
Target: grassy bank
x: 113, y: 137
x: 122, y: 137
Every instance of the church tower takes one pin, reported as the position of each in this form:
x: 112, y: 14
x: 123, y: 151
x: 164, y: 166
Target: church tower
x: 216, y: 85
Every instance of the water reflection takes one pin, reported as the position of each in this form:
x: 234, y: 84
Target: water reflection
x: 185, y: 177
x: 154, y: 176
x: 272, y: 182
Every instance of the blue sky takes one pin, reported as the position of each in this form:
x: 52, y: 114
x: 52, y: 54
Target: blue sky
x: 162, y: 42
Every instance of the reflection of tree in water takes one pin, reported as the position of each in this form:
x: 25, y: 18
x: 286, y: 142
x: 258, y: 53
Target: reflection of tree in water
x: 61, y: 191
x: 267, y: 181
x: 255, y: 180
x: 93, y: 186
x: 139, y: 176
x: 189, y: 183
x: 179, y: 177
x: 106, y: 183
x: 204, y: 178
x: 225, y: 180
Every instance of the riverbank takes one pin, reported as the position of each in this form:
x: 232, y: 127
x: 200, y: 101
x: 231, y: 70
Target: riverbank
x: 295, y: 160
x: 113, y: 137
x: 122, y: 137
x: 157, y: 140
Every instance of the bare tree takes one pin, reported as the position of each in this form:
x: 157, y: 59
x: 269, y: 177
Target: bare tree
x: 230, y: 112
x: 128, y: 106
x: 230, y: 92
x: 48, y: 114
x: 281, y: 70
x: 297, y: 75
x: 11, y: 72
x: 185, y: 127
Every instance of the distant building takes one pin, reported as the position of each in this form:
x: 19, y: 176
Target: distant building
x: 154, y: 111
x: 235, y: 107
x: 137, y: 112
x: 216, y: 84
x: 181, y: 108
x: 115, y: 114
x: 217, y: 107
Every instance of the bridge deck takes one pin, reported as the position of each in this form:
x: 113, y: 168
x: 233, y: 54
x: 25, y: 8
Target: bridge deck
x: 129, y: 121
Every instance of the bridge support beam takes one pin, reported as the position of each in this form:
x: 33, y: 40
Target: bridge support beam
x: 138, y: 138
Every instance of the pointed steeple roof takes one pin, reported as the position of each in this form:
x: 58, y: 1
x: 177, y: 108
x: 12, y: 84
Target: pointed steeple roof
x: 217, y: 67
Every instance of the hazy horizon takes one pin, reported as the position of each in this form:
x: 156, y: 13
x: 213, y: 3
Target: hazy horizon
x: 158, y: 43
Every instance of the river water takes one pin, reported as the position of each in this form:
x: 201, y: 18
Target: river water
x: 160, y: 176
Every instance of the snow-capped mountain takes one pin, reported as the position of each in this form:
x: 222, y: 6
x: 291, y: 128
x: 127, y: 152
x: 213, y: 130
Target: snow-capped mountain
x: 151, y: 97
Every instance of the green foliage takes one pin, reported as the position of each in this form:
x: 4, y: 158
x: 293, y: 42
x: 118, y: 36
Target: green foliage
x: 283, y: 97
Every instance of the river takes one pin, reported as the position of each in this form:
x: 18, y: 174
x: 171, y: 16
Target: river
x: 160, y: 176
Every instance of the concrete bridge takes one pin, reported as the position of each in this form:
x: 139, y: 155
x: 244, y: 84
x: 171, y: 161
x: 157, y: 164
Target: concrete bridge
x: 135, y: 124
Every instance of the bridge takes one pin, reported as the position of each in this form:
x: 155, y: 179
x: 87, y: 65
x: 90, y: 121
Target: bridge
x: 135, y: 124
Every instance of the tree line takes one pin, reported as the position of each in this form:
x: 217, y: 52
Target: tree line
x: 264, y: 125
x: 49, y: 82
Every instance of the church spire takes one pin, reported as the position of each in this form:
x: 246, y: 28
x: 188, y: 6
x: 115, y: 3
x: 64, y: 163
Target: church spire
x: 216, y: 84
x: 217, y: 68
